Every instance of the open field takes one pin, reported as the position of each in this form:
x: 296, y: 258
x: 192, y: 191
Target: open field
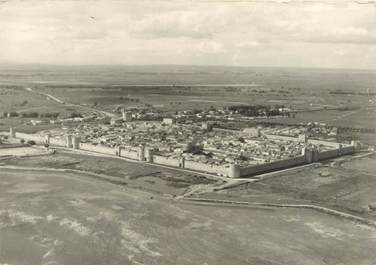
x: 366, y: 164
x: 62, y: 218
x: 364, y: 117
x: 189, y: 87
x: 20, y: 125
x: 22, y: 151
x: 349, y: 187
x: 135, y: 175
x: 15, y: 98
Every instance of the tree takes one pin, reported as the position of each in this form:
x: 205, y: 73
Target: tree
x: 31, y: 142
x: 24, y: 103
x: 194, y: 148
x: 76, y: 115
x: 243, y: 158
x: 241, y: 139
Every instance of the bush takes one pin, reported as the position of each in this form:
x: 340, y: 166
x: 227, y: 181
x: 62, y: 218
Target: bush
x: 24, y: 103
x: 31, y: 142
x: 30, y: 114
x: 50, y: 115
x: 76, y: 115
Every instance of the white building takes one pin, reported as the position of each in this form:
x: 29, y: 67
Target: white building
x: 168, y: 121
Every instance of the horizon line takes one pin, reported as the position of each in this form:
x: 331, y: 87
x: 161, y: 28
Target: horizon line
x: 183, y: 65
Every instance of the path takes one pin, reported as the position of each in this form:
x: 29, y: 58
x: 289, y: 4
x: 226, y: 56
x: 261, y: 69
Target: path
x: 338, y: 213
x: 49, y: 96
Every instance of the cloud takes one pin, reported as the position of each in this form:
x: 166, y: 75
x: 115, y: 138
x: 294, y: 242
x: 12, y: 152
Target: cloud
x: 172, y: 25
x: 209, y: 47
x: 189, y: 32
x: 247, y: 44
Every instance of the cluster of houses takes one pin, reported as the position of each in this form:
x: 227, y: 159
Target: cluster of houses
x: 198, y: 141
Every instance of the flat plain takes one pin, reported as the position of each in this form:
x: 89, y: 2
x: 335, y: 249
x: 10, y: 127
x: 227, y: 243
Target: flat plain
x: 48, y: 217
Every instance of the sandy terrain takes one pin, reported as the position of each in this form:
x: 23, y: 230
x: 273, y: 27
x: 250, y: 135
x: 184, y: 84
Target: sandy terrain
x: 22, y: 151
x: 49, y: 217
x: 346, y: 184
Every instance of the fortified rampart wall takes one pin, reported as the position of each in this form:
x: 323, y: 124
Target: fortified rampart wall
x: 31, y: 137
x: 215, y: 169
x: 343, y: 150
x: 98, y: 148
x: 347, y: 150
x: 282, y: 137
x: 325, y: 143
x: 157, y: 159
x: 39, y: 139
x: 328, y: 154
x: 129, y: 153
x: 140, y: 153
x: 280, y: 164
x: 57, y: 142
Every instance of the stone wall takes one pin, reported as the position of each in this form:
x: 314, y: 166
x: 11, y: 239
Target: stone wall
x: 325, y: 143
x: 38, y: 139
x: 127, y: 152
x: 166, y: 161
x: 134, y: 153
x: 281, y: 137
x: 215, y: 169
x: 347, y: 150
x: 268, y: 167
x: 98, y: 149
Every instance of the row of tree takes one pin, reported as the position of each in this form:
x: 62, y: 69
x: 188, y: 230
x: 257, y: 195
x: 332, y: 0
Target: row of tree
x: 258, y: 110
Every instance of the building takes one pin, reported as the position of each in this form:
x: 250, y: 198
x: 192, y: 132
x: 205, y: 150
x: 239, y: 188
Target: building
x: 252, y: 131
x: 168, y: 121
x: 126, y: 115
x: 12, y: 133
x: 69, y: 142
x: 76, y: 142
x: 116, y: 121
x: 208, y: 126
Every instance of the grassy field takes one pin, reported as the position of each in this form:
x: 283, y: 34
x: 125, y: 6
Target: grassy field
x: 188, y: 87
x: 135, y: 175
x: 348, y: 186
x: 22, y: 151
x: 14, y: 98
x: 62, y: 218
x: 366, y: 164
x: 17, y: 99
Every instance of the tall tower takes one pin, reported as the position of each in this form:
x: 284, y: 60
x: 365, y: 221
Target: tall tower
x: 126, y: 115
x: 47, y: 139
x: 141, y: 153
x: 182, y: 162
x: 12, y: 132
x: 303, y: 138
x: 118, y: 151
x: 149, y: 152
x: 308, y: 155
x: 234, y: 171
x: 76, y: 142
x: 69, y: 142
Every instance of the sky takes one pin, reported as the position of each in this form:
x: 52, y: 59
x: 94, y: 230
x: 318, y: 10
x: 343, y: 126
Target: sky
x: 283, y: 33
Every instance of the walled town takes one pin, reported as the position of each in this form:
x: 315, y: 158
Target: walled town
x: 185, y: 140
